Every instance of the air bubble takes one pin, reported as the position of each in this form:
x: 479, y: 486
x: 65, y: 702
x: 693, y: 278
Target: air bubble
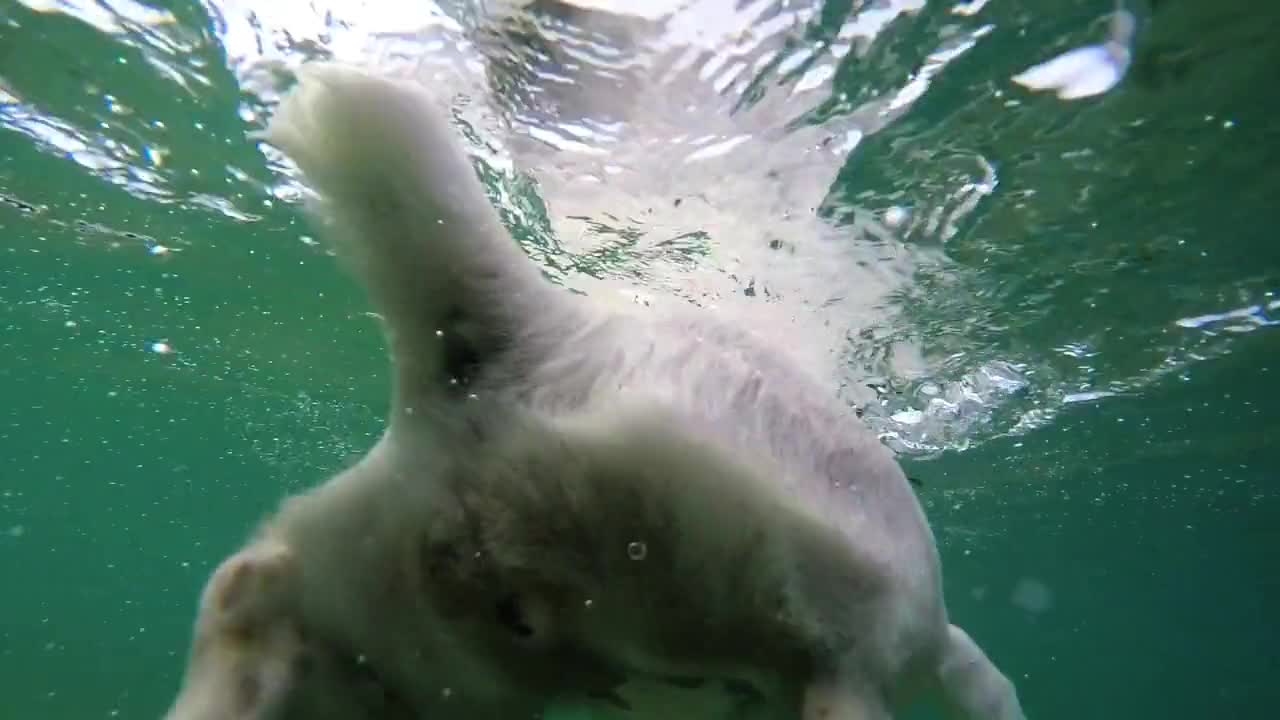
x: 637, y: 550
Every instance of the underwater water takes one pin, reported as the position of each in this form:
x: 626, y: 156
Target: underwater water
x: 1060, y: 311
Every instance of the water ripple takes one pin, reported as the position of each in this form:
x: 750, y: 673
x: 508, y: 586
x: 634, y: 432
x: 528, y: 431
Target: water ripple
x: 870, y: 183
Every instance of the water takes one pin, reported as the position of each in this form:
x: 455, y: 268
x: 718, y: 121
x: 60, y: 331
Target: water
x: 1060, y: 312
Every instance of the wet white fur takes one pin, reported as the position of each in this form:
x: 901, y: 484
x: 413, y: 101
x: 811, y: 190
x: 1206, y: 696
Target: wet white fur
x: 568, y: 505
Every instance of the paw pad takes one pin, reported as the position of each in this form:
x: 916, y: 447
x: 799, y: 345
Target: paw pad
x: 252, y: 586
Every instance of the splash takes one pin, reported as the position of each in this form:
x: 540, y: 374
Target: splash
x: 845, y: 183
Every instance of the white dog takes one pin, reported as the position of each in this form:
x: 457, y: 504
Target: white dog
x: 567, y: 505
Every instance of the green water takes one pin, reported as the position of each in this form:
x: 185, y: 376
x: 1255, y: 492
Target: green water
x: 1118, y: 557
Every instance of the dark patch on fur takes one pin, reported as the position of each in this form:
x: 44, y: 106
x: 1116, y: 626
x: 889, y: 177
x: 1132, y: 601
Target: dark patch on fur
x: 612, y: 697
x: 511, y: 616
x: 743, y: 691
x: 248, y: 693
x: 440, y: 560
x: 687, y: 683
x: 451, y: 581
x: 231, y: 588
x: 460, y: 358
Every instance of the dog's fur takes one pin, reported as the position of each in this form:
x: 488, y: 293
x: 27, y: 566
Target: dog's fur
x: 567, y: 504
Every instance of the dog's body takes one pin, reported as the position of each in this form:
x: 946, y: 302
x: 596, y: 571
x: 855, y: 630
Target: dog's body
x: 567, y: 505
